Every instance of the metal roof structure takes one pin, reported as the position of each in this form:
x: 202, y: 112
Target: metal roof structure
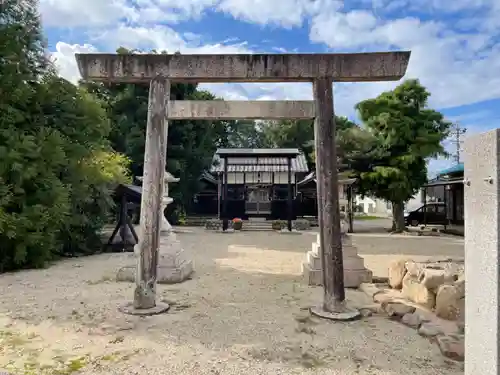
x: 311, y: 177
x: 459, y: 168
x: 257, y: 151
x: 444, y: 182
x: 208, y: 177
x: 259, y: 160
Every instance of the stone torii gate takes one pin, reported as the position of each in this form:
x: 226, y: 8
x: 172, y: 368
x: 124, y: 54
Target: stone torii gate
x: 320, y: 69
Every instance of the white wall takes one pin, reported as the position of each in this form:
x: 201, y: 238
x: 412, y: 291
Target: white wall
x: 373, y: 206
x: 265, y: 178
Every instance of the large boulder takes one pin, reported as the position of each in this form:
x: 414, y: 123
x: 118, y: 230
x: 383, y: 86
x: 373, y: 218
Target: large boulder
x: 414, y: 269
x: 418, y: 293
x: 450, y: 301
x: 452, y: 346
x: 432, y: 278
x: 397, y: 270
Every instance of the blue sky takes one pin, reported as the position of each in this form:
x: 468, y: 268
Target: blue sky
x: 455, y: 45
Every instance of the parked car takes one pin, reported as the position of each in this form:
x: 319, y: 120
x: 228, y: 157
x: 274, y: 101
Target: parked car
x: 432, y: 213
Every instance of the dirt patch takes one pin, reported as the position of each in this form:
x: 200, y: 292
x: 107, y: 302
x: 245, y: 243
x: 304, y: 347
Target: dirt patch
x: 244, y: 312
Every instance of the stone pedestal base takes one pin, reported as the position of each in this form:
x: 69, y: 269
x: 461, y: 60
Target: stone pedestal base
x: 355, y: 272
x: 174, y: 265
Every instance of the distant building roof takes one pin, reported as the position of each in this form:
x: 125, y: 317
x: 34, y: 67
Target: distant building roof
x: 259, y: 160
x: 208, y: 177
x: 311, y: 177
x: 258, y: 151
x: 459, y: 168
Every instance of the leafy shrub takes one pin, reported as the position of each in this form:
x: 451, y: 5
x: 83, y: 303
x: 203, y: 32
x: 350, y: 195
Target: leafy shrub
x: 278, y: 224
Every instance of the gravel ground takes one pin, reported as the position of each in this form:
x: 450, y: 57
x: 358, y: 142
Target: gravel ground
x: 244, y: 312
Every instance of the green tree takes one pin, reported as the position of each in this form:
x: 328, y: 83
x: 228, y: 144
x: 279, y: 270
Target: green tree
x: 54, y: 175
x: 190, y: 145
x: 92, y: 168
x: 405, y: 134
x: 300, y: 134
x: 33, y: 201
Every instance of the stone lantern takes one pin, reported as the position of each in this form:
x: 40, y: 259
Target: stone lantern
x: 166, y: 200
x: 174, y: 264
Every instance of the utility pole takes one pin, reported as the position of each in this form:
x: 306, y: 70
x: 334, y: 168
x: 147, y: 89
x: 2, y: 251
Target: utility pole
x: 456, y: 133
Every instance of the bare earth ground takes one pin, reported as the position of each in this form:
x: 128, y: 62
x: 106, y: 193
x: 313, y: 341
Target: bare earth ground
x: 244, y: 312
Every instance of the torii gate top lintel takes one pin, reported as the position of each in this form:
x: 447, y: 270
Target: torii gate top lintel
x: 340, y: 67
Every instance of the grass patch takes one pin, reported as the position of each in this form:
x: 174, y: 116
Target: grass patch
x: 367, y: 217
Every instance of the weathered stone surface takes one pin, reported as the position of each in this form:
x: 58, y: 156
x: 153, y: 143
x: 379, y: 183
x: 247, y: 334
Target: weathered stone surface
x: 232, y: 110
x: 452, y: 346
x: 314, y: 260
x: 416, y: 292
x: 312, y: 276
x: 355, y: 272
x: 397, y: 270
x: 433, y: 278
x: 430, y: 329
x: 396, y: 309
x: 165, y: 275
x: 365, y: 313
x: 460, y: 286
x: 370, y: 289
x: 450, y: 301
x: 348, y: 67
x: 414, y: 269
x: 387, y: 295
x: 174, y: 264
x: 352, y: 278
x: 374, y: 308
x: 413, y: 320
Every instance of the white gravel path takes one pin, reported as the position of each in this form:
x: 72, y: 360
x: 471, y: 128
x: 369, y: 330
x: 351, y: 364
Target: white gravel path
x: 244, y: 312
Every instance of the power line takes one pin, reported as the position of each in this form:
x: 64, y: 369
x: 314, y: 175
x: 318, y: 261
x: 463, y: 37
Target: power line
x: 455, y: 138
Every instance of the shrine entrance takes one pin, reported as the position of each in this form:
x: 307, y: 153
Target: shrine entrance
x: 258, y: 200
x: 322, y: 70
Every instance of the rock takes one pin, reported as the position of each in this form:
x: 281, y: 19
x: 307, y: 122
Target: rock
x: 418, y: 293
x: 432, y: 279
x: 397, y: 270
x: 409, y: 278
x: 365, y: 313
x: 369, y: 289
x: 387, y: 295
x: 369, y: 310
x: 413, y: 320
x: 414, y: 269
x: 382, y: 297
x: 460, y: 285
x: 397, y: 309
x: 450, y: 301
x: 430, y: 329
x: 452, y: 346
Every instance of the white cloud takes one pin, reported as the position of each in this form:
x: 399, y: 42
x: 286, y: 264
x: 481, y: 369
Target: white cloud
x: 457, y: 58
x: 286, y: 13
x: 64, y: 58
x: 76, y: 13
x: 458, y: 68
